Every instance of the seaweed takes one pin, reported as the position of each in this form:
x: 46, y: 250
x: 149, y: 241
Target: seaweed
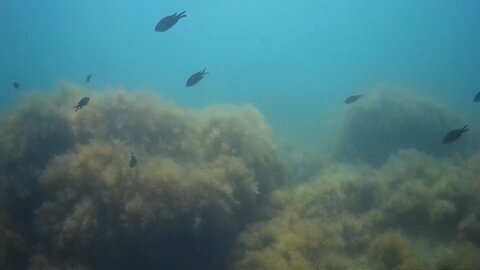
x: 211, y: 186
x: 400, y: 216
x: 199, y: 179
x: 389, y: 251
x: 394, y: 119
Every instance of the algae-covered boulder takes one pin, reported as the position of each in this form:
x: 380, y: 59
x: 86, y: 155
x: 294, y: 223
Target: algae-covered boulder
x: 31, y: 134
x: 71, y: 200
x: 315, y: 226
x: 415, y: 212
x: 385, y: 121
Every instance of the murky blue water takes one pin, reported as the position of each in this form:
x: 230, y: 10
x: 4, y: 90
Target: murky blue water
x: 295, y: 60
x: 69, y: 199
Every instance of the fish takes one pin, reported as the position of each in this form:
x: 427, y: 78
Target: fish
x: 477, y: 97
x: 133, y: 160
x: 82, y: 103
x: 454, y: 135
x: 352, y: 99
x: 88, y: 78
x: 16, y: 85
x: 195, y: 78
x: 169, y: 21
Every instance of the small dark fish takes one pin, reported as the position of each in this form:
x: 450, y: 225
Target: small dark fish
x: 169, y: 21
x: 477, y: 97
x: 195, y: 78
x: 133, y: 160
x: 84, y: 101
x: 352, y: 99
x: 16, y: 85
x: 454, y: 135
x: 88, y: 78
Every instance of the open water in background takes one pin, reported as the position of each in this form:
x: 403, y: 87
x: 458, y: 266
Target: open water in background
x: 295, y: 60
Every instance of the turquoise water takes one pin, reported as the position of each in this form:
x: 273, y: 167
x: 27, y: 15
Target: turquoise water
x: 299, y: 180
x: 294, y: 60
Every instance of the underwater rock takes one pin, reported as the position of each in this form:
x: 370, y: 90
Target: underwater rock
x: 389, y: 251
x: 459, y: 257
x: 31, y: 135
x: 14, y: 248
x: 66, y: 184
x: 470, y: 230
x: 401, y: 216
x: 390, y: 120
x: 70, y: 201
x: 442, y: 211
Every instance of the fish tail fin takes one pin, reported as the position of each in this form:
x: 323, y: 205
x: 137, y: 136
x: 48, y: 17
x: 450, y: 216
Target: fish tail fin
x: 465, y: 128
x: 181, y: 14
x: 204, y: 70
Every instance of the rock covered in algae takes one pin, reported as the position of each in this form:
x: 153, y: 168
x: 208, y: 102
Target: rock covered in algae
x: 391, y: 120
x: 412, y: 213
x: 199, y: 180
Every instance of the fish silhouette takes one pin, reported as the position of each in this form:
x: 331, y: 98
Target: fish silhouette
x: 82, y: 103
x: 16, y: 85
x: 352, y: 99
x: 169, y: 21
x: 454, y: 135
x: 196, y: 77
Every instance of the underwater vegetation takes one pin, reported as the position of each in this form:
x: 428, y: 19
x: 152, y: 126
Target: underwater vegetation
x: 414, y: 212
x: 133, y: 182
x: 387, y: 120
x: 30, y: 135
x: 72, y: 199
